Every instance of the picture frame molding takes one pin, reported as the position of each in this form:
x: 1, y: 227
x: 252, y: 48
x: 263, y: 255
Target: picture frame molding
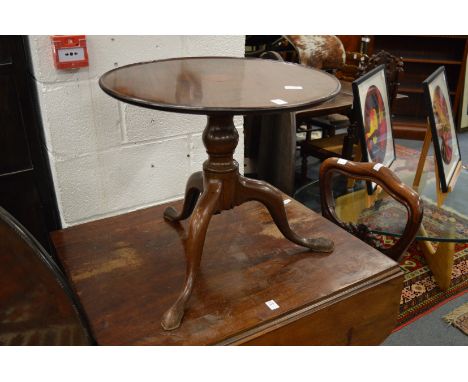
x: 444, y: 182
x: 463, y: 102
x: 360, y: 119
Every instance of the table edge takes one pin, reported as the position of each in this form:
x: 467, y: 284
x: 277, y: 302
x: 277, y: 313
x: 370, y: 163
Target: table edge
x: 385, y: 276
x: 216, y: 110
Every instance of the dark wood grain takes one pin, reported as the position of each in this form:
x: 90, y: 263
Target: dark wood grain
x: 37, y: 306
x: 342, y: 103
x: 220, y: 87
x: 210, y: 85
x: 128, y: 270
x: 222, y: 188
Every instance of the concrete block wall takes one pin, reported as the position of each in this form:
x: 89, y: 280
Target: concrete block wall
x: 108, y: 157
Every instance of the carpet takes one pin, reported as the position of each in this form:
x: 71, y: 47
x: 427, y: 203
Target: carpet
x: 420, y: 291
x: 430, y: 329
x: 459, y: 318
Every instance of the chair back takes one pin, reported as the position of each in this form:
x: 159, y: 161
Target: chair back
x: 390, y: 183
x: 271, y: 55
x: 394, y: 66
x: 353, y: 67
x: 37, y: 306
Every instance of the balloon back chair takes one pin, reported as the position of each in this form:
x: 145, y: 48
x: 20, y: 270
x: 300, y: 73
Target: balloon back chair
x: 389, y: 182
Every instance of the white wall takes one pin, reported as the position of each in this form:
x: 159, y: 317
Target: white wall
x: 108, y: 157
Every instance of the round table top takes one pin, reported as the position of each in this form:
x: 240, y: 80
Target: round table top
x: 220, y: 85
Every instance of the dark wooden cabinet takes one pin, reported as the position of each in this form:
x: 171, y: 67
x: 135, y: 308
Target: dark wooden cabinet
x: 26, y: 189
x: 422, y: 55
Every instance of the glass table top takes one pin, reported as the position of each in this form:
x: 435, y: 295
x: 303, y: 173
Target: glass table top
x: 384, y: 215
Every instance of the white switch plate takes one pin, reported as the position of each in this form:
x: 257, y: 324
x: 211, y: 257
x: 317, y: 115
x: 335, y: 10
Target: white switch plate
x: 71, y: 54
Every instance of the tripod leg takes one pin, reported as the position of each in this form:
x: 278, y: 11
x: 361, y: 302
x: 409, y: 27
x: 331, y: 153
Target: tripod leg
x: 192, y: 191
x: 271, y: 197
x: 198, y: 226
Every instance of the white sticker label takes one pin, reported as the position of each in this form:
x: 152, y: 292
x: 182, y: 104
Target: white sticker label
x: 342, y: 161
x: 286, y: 201
x: 278, y: 101
x: 293, y: 87
x: 378, y: 166
x: 272, y: 304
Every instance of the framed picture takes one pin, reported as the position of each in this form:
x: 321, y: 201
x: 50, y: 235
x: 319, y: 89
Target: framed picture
x: 444, y: 135
x: 373, y: 117
x: 464, y: 100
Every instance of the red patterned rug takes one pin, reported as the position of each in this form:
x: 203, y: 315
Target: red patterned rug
x: 420, y: 291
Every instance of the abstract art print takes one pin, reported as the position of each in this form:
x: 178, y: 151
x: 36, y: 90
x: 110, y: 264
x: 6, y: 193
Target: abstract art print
x: 444, y: 135
x: 373, y: 115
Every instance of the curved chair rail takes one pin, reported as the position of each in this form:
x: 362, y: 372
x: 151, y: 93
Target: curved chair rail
x: 384, y: 177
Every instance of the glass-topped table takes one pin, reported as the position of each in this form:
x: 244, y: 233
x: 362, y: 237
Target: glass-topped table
x: 446, y: 224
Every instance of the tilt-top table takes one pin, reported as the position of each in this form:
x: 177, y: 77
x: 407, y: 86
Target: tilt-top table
x: 221, y: 87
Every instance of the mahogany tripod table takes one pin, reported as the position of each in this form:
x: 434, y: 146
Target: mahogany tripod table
x: 221, y: 87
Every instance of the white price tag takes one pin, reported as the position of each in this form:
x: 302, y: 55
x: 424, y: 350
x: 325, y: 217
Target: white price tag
x: 279, y: 101
x: 272, y: 304
x: 286, y: 201
x: 378, y: 166
x: 342, y: 161
x: 293, y: 87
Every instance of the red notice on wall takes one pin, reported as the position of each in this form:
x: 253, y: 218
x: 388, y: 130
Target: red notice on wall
x: 69, y: 52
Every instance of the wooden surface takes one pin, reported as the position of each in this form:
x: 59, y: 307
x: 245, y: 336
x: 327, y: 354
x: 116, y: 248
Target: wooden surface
x: 439, y: 260
x: 211, y: 85
x: 127, y: 271
x: 341, y: 104
x: 221, y: 87
x: 37, y: 306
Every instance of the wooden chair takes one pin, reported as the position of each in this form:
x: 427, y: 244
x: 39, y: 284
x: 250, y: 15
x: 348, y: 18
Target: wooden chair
x: 346, y: 145
x: 394, y: 67
x: 354, y: 66
x: 389, y: 182
x: 37, y: 306
x: 258, y: 45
